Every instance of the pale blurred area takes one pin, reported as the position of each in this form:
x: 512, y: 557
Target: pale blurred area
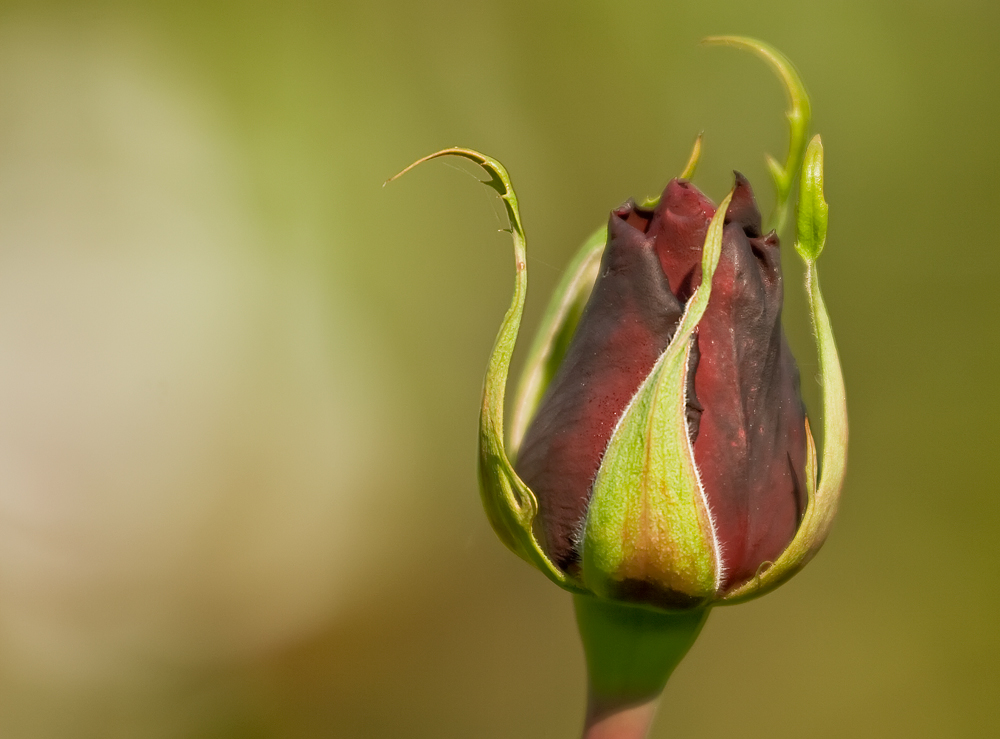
x: 239, y: 380
x: 193, y: 425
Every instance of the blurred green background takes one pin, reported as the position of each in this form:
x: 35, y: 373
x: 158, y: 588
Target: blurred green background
x: 239, y: 380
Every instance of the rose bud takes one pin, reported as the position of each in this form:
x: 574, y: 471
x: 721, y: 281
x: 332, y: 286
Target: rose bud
x: 664, y: 457
x: 742, y: 415
x: 660, y: 460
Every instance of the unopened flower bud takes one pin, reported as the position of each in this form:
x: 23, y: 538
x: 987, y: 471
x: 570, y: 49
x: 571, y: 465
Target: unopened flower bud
x: 668, y: 478
x: 660, y: 460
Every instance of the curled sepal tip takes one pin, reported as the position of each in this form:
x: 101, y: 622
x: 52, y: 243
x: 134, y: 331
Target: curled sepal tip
x: 798, y: 114
x: 687, y: 173
x: 692, y: 162
x: 823, y: 494
x: 510, y: 505
x: 648, y: 535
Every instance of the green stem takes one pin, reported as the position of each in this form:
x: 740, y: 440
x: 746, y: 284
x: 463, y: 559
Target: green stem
x: 631, y: 652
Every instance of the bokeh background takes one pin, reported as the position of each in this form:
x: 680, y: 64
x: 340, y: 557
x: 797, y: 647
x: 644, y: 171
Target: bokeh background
x: 239, y: 379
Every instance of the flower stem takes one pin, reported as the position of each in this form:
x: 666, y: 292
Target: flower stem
x: 605, y: 720
x: 630, y: 652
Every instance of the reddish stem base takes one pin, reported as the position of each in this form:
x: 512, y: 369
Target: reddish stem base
x: 623, y: 721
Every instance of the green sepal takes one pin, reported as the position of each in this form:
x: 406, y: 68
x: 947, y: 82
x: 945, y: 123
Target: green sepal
x: 510, y: 505
x: 648, y: 519
x: 776, y: 170
x: 813, y: 211
x: 693, y: 159
x: 555, y: 331
x: 823, y: 495
x: 798, y: 114
x: 631, y: 651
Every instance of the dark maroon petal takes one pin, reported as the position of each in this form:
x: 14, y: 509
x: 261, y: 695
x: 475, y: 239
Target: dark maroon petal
x: 625, y: 326
x: 750, y: 445
x: 679, y: 225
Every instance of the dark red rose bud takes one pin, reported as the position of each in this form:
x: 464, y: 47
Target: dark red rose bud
x: 625, y: 327
x: 744, y: 413
x: 664, y: 461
